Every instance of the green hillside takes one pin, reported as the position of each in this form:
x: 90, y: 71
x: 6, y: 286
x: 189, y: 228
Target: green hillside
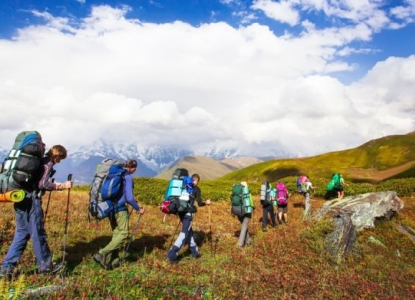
x: 377, y: 160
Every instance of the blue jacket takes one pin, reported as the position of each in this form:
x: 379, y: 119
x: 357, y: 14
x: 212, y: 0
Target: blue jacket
x: 127, y: 195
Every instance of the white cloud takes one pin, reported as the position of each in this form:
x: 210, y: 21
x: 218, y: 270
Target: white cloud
x: 110, y: 77
x: 282, y: 11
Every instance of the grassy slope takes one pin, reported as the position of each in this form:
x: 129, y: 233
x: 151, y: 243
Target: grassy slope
x: 284, y: 263
x: 377, y: 160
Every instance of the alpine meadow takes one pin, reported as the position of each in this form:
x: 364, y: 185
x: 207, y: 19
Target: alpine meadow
x: 289, y: 261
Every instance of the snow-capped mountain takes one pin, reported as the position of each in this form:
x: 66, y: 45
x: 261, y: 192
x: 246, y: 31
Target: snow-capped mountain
x: 151, y: 160
x: 82, y: 161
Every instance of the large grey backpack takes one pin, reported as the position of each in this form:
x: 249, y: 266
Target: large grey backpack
x: 22, y: 166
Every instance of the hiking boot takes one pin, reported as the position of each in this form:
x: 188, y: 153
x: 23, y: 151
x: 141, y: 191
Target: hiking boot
x: 99, y: 259
x: 172, y: 261
x: 6, y: 274
x: 56, y: 268
x: 197, y: 256
x: 116, y: 263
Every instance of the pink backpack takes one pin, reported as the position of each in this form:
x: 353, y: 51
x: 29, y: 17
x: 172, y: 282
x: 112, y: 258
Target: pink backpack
x: 282, y: 193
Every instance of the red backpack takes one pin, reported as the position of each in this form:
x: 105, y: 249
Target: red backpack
x: 282, y: 193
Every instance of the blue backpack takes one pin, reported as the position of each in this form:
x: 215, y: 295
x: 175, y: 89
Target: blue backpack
x: 113, y: 184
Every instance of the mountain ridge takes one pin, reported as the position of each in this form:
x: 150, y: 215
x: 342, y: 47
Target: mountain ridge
x: 387, y: 157
x: 379, y: 159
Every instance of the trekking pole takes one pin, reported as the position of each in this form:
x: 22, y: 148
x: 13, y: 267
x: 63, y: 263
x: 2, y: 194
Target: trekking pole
x: 172, y: 238
x: 66, y: 221
x: 210, y: 229
x: 47, y: 204
x: 131, y: 238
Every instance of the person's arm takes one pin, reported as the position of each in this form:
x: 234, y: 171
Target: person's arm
x: 129, y: 192
x: 44, y: 182
x: 197, y: 194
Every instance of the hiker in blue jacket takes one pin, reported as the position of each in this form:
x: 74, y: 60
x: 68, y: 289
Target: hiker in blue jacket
x: 30, y: 219
x: 186, y: 234
x: 108, y: 257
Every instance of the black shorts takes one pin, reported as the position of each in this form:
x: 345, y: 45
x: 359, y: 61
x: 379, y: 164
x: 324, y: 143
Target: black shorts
x: 282, y: 208
x: 338, y: 189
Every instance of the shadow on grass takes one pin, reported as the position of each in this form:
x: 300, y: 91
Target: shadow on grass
x: 299, y: 205
x: 137, y: 248
x: 276, y: 174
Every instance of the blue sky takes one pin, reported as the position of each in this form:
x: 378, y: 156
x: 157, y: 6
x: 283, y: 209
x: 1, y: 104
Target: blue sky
x: 232, y: 72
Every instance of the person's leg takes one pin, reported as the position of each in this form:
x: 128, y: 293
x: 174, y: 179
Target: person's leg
x: 264, y: 217
x: 285, y: 213
x: 192, y: 245
x: 39, y: 237
x: 21, y: 236
x: 182, y: 238
x: 279, y: 214
x: 272, y: 213
x: 307, y: 204
x: 120, y: 226
x: 341, y: 193
x: 244, y: 235
x: 191, y: 240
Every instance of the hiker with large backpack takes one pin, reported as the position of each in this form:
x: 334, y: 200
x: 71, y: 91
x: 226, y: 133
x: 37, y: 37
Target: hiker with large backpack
x: 242, y: 208
x: 118, y: 190
x: 37, y: 171
x: 305, y: 187
x: 267, y: 207
x: 339, y: 188
x: 282, y: 202
x: 186, y: 217
x: 335, y: 187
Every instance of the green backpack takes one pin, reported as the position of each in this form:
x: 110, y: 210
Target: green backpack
x: 334, y: 182
x: 237, y: 194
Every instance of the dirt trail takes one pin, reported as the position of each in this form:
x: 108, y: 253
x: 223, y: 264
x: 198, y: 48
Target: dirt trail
x: 374, y: 175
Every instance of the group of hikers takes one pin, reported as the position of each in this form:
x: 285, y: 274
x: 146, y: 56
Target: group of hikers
x: 28, y: 156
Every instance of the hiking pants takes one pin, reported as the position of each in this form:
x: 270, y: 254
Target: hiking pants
x: 307, y: 204
x: 29, y: 224
x: 244, y: 238
x: 268, y: 210
x: 185, y: 237
x: 120, y: 225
